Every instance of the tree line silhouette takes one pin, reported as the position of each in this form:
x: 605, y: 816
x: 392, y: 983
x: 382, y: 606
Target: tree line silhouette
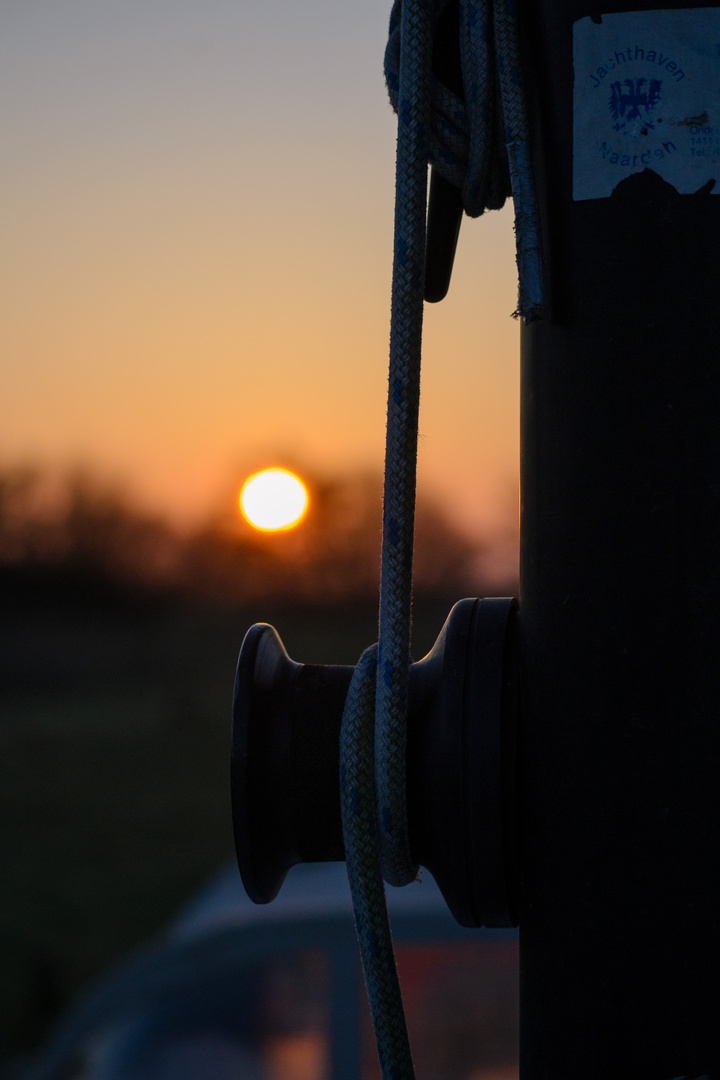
x: 74, y: 538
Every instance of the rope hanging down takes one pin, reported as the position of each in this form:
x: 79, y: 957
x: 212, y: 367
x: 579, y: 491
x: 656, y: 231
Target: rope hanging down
x: 434, y: 125
x: 357, y: 800
x: 373, y: 737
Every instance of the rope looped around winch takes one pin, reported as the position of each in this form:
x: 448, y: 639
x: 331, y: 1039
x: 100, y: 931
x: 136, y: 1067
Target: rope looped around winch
x: 464, y: 140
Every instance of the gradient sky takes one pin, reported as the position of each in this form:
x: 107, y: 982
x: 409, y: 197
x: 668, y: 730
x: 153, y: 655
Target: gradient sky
x: 195, y: 255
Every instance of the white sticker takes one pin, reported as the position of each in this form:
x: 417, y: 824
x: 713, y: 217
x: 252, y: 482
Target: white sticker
x: 647, y: 96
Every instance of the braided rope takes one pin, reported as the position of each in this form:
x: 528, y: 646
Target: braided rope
x: 531, y: 298
x: 479, y: 143
x: 373, y: 735
x: 357, y: 800
x: 465, y: 141
x: 401, y: 441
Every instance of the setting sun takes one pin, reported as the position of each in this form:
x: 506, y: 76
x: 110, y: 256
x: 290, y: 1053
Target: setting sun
x: 273, y: 499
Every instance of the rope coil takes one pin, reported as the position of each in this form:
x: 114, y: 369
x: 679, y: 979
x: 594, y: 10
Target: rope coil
x: 465, y: 137
x: 478, y: 141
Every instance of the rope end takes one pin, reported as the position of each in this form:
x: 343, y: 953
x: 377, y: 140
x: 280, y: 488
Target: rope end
x: 532, y: 293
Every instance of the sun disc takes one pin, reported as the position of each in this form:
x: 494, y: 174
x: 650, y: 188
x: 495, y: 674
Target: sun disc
x: 273, y: 499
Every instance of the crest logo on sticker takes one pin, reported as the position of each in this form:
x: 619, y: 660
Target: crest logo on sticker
x: 632, y: 103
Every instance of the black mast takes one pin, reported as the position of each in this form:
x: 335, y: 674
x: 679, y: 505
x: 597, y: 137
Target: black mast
x: 619, y: 620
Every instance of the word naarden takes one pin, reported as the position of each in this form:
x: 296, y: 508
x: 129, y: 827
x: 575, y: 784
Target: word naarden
x: 630, y: 161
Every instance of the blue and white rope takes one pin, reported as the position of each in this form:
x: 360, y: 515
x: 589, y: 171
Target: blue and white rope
x: 401, y: 440
x: 480, y: 142
x: 362, y: 852
x: 464, y: 140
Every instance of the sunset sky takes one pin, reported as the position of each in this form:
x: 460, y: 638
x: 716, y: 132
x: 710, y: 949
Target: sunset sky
x: 195, y: 256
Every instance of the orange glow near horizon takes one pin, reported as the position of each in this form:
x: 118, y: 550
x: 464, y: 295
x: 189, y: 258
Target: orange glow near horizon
x: 274, y: 500
x: 176, y: 319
